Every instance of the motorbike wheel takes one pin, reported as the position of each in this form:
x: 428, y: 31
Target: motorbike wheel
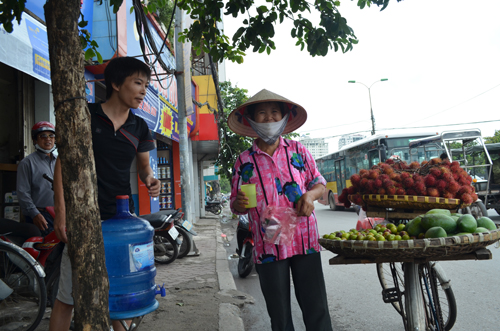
x: 245, y: 264
x: 166, y: 249
x: 218, y: 210
x: 185, y: 247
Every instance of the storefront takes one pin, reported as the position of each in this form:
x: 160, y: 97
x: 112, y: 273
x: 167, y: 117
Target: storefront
x: 26, y: 96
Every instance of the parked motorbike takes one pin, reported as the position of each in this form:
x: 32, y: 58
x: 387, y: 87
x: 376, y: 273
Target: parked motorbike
x: 245, y: 246
x: 46, y: 250
x: 213, y: 206
x: 185, y: 229
x: 166, y: 242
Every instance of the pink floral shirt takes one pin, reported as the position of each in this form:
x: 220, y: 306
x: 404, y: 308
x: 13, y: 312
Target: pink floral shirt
x: 280, y: 180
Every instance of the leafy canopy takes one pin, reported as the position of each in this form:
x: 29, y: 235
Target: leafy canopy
x: 257, y: 33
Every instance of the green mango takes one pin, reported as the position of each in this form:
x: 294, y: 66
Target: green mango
x: 481, y: 230
x: 439, y: 211
x: 435, y: 232
x: 414, y: 227
x: 487, y: 223
x: 467, y: 223
x: 446, y: 222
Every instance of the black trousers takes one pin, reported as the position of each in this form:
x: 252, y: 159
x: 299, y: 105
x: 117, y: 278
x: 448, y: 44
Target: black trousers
x: 310, y: 292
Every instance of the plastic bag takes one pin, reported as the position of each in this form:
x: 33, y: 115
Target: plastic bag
x: 278, y: 224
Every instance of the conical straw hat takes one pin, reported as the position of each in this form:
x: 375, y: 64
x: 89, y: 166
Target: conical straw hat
x: 238, y: 123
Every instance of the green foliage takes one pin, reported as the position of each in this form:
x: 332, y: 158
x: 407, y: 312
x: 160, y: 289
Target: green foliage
x: 10, y: 9
x: 232, y: 144
x: 493, y: 139
x: 164, y: 10
x: 225, y: 185
x: 258, y: 31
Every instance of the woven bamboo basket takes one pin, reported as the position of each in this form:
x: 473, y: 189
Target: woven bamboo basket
x: 411, y: 202
x: 416, y: 248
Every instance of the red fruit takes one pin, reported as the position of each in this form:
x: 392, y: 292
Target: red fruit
x: 411, y: 191
x: 463, y: 181
x: 395, y: 177
x: 347, y: 204
x: 432, y: 192
x: 420, y: 188
x: 383, y: 177
x: 377, y: 183
x: 408, y: 182
x: 400, y: 191
x: 453, y: 187
x: 404, y: 175
x: 417, y: 178
x: 355, y: 179
x: 374, y: 173
x: 391, y: 190
x: 448, y: 195
x: 435, y: 172
x: 357, y: 199
x: 423, y: 163
x: 474, y: 196
x: 388, y: 170
x: 436, y: 160
x: 387, y: 183
x: 455, y: 164
x: 389, y: 161
x: 370, y: 188
x: 446, y: 163
x: 381, y: 191
x: 441, y: 185
x: 466, y: 198
x: 351, y: 190
x: 465, y: 189
x: 430, y: 180
x: 414, y: 165
x: 447, y: 177
x: 363, y: 183
x: 363, y: 173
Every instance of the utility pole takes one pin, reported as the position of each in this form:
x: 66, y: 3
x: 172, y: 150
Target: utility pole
x: 185, y: 108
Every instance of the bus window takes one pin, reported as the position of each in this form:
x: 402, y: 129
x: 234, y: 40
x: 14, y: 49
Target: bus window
x: 373, y: 158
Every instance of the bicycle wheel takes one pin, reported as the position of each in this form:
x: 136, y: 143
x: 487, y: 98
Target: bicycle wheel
x: 22, y: 290
x: 166, y: 249
x: 387, y: 280
x: 440, y: 304
x: 185, y: 247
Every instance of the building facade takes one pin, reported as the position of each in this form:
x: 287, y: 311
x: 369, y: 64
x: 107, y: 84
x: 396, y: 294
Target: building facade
x: 349, y: 139
x: 317, y: 146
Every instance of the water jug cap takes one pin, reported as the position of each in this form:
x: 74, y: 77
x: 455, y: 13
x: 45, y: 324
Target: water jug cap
x: 121, y: 197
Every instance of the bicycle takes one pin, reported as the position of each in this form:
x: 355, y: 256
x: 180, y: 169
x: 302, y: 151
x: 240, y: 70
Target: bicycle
x: 23, y: 296
x: 430, y: 283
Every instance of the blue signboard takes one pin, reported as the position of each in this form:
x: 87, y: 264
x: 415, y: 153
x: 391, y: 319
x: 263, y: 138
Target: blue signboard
x: 89, y: 87
x: 40, y: 44
x: 153, y: 162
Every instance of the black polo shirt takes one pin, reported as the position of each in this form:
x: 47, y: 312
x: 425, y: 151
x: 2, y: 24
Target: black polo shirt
x: 114, y: 153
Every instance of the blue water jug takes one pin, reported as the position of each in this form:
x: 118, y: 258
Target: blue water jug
x: 129, y: 250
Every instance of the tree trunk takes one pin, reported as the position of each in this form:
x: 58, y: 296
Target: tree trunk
x: 74, y: 142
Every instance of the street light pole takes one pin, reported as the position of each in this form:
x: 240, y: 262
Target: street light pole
x: 370, y: 97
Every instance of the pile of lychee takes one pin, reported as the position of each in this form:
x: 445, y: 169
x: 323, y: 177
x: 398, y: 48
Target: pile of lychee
x: 434, y: 178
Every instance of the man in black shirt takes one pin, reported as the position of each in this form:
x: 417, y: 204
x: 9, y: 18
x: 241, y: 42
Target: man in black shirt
x: 118, y: 136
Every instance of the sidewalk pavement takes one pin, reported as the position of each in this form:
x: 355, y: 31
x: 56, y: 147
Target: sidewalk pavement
x: 201, y: 293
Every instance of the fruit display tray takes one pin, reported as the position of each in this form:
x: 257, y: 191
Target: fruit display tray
x: 411, y: 202
x: 416, y: 248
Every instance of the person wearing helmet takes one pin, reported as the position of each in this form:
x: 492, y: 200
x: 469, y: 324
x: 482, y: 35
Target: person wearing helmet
x: 33, y: 191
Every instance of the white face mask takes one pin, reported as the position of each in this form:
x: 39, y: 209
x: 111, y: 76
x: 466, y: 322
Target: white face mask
x: 269, y: 132
x: 46, y: 151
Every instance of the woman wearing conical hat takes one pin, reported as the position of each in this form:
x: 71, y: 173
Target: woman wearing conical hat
x: 286, y: 177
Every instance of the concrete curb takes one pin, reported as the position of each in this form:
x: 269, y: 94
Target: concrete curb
x: 229, y: 314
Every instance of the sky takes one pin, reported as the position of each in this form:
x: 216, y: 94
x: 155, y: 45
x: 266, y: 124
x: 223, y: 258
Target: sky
x: 441, y: 59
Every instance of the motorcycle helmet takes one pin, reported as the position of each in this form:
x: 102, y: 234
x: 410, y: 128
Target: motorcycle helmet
x: 40, y: 127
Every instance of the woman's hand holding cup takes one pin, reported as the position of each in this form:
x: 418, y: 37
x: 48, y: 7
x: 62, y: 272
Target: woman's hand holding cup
x: 241, y: 202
